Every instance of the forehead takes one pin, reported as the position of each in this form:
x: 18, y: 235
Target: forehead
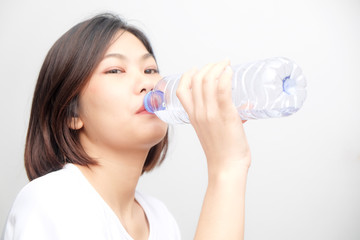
x: 126, y: 43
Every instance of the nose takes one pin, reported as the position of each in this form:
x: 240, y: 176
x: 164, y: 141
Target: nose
x: 146, y: 90
x: 145, y: 84
x: 146, y: 87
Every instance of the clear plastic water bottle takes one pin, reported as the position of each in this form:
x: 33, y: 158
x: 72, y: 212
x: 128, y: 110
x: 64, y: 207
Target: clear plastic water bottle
x: 274, y: 87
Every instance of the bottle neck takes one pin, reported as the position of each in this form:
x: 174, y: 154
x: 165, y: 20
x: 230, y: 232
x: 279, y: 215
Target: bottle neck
x: 154, y: 101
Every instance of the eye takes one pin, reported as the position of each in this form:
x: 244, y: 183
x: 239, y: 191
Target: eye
x: 151, y: 71
x: 114, y: 71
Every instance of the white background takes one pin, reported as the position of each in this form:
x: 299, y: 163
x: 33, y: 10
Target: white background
x: 304, y: 181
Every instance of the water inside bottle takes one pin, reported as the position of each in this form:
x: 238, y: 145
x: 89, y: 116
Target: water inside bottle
x: 174, y: 116
x: 247, y: 114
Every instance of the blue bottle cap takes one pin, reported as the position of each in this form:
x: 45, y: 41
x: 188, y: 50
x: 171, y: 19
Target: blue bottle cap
x: 154, y: 101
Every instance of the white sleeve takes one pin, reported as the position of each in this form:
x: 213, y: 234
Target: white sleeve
x: 42, y: 210
x: 28, y: 219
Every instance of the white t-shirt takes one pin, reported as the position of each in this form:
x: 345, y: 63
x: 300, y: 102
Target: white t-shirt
x: 64, y: 205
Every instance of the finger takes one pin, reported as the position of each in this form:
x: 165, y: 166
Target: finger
x: 210, y: 83
x: 197, y: 86
x: 183, y: 91
x: 224, y: 91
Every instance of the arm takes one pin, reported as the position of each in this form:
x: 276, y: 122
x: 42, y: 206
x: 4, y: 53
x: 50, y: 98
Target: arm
x: 206, y: 96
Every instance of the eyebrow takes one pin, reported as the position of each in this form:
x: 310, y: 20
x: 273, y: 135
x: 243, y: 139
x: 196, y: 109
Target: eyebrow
x: 123, y: 57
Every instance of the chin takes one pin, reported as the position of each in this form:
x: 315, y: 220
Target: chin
x: 160, y: 127
x: 154, y: 134
x: 160, y: 133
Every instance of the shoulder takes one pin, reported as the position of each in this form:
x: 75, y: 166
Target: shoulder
x: 44, y: 190
x: 44, y: 206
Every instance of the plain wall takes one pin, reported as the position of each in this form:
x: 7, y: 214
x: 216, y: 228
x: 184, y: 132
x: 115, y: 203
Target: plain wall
x: 304, y: 182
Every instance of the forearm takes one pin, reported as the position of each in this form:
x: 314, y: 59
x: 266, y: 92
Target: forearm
x: 206, y: 96
x: 223, y: 211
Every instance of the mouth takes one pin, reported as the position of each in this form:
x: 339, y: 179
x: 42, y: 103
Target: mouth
x: 142, y: 110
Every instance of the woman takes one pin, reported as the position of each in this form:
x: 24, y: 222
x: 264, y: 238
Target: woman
x: 89, y: 140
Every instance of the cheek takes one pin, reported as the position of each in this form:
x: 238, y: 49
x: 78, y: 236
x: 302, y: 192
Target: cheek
x: 103, y: 105
x: 104, y: 112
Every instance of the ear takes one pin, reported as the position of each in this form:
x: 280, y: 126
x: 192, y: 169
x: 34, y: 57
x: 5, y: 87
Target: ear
x: 75, y: 123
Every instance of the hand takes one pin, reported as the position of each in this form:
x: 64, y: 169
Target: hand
x: 206, y: 96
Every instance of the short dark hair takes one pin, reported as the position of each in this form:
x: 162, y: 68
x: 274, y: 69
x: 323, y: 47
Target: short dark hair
x: 50, y: 143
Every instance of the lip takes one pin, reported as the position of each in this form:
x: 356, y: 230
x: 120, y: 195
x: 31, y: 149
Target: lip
x: 142, y: 110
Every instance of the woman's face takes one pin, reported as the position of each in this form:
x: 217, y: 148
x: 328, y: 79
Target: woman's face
x: 111, y: 104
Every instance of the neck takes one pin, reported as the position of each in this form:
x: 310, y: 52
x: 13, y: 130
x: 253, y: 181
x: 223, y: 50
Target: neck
x: 115, y: 178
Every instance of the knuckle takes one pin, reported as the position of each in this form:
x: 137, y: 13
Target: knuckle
x: 223, y: 89
x: 196, y: 78
x: 224, y: 86
x: 205, y: 116
x: 206, y: 79
x: 211, y: 116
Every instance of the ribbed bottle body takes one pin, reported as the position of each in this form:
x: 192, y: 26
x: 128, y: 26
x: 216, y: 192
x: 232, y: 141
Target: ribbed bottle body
x: 273, y: 87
